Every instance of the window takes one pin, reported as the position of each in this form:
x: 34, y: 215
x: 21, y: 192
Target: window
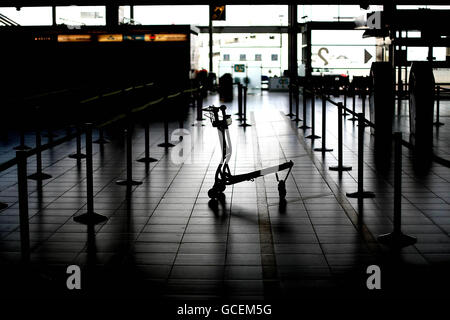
x: 81, y: 15
x: 242, y: 57
x: 255, y: 15
x: 258, y: 57
x: 29, y: 16
x: 168, y: 15
x: 226, y: 57
x: 274, y: 57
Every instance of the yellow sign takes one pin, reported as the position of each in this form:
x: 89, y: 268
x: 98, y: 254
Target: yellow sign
x: 166, y: 37
x: 217, y: 13
x: 110, y: 38
x: 74, y: 37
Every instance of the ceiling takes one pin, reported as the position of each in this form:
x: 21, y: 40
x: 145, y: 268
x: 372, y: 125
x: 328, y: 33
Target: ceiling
x: 23, y: 3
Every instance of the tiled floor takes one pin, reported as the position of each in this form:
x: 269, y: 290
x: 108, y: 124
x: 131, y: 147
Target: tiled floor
x: 164, y: 239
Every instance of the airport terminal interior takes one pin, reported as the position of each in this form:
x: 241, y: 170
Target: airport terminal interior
x: 247, y: 151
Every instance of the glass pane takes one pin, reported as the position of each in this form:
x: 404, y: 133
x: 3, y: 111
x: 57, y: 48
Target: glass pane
x: 29, y: 16
x: 255, y: 15
x: 167, y: 15
x: 81, y: 15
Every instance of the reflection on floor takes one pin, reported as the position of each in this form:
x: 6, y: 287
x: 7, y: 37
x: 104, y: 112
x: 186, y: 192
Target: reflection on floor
x: 165, y: 240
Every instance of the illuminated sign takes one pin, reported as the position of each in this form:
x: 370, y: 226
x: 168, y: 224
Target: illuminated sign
x: 166, y: 37
x: 74, y: 37
x: 110, y: 38
x: 135, y: 37
x: 217, y: 13
x: 239, y: 68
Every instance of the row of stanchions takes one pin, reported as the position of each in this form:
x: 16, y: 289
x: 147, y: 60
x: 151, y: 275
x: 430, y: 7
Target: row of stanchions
x: 396, y: 238
x: 438, y: 123
x: 242, y: 105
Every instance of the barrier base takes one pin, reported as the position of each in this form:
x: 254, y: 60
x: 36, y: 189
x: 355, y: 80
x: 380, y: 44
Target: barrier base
x: 313, y: 136
x: 39, y: 176
x: 353, y: 119
x: 322, y: 149
x: 297, y: 119
x: 147, y: 159
x: 290, y: 115
x: 304, y: 127
x: 438, y: 124
x: 101, y: 141
x: 22, y: 147
x: 340, y: 168
x: 245, y: 125
x: 90, y: 218
x: 166, y: 145
x: 198, y: 124
x: 361, y: 195
x: 3, y: 206
x: 126, y: 182
x: 77, y: 156
x: 396, y: 240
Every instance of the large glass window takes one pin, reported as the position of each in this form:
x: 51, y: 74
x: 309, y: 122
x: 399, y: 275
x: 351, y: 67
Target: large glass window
x: 342, y: 52
x: 163, y: 15
x: 81, y: 15
x: 29, y: 16
x: 255, y: 15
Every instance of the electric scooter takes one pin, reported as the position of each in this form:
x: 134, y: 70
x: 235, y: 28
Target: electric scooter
x: 223, y: 176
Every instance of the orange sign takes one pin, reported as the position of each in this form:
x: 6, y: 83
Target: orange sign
x: 74, y: 37
x: 110, y: 38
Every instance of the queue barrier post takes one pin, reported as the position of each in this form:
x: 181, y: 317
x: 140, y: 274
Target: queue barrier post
x: 244, y: 116
x: 324, y: 148
x: 304, y: 100
x: 290, y: 114
x: 90, y: 217
x: 101, y: 137
x: 353, y: 105
x: 297, y: 103
x: 78, y: 155
x: 128, y: 181
x: 437, y: 123
x: 340, y: 167
x: 166, y: 143
x: 396, y: 238
x: 39, y: 175
x: 239, y: 113
x: 313, y: 135
x: 21, y: 156
x: 147, y: 158
x: 361, y: 194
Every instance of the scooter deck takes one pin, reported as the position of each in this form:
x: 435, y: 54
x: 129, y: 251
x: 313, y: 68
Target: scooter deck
x: 258, y: 173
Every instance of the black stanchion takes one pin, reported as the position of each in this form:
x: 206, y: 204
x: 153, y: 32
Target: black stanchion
x: 437, y: 123
x: 353, y: 106
x: 166, y: 143
x: 340, y: 167
x: 39, y: 175
x: 305, y: 125
x: 147, y: 158
x: 324, y: 148
x: 345, y: 102
x: 239, y: 113
x: 129, y: 179
x: 101, y: 137
x: 396, y: 238
x: 244, y: 116
x: 22, y: 145
x: 363, y: 107
x: 290, y: 114
x: 78, y: 155
x: 199, y: 106
x: 21, y: 157
x: 361, y: 194
x: 313, y: 119
x: 297, y: 102
x: 90, y: 217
